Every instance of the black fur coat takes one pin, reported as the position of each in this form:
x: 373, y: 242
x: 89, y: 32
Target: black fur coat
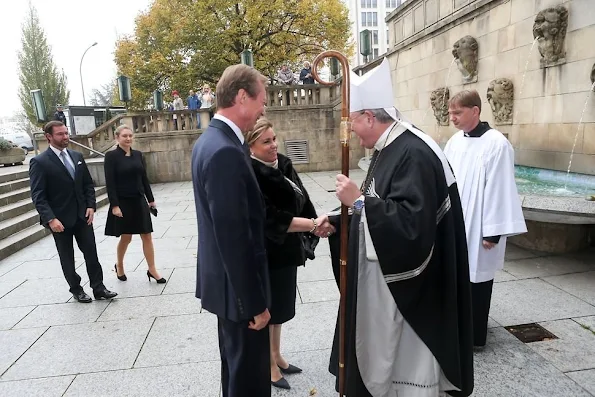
x: 282, y: 205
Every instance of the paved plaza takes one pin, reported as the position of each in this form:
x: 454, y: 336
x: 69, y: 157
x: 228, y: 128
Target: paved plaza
x: 153, y: 340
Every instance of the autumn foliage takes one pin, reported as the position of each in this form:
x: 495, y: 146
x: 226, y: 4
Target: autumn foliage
x: 181, y: 44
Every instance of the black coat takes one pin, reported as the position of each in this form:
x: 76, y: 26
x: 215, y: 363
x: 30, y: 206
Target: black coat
x: 282, y: 205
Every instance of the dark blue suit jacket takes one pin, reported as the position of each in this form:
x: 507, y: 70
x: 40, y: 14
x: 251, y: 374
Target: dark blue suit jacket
x: 55, y: 194
x: 232, y: 271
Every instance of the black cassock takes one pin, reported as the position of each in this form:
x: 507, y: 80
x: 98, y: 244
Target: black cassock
x: 413, y: 215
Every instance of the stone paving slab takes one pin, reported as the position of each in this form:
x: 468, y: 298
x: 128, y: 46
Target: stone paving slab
x: 581, y: 285
x: 62, y: 314
x: 546, y: 266
x: 138, y: 284
x: 529, y: 301
x: 200, y: 379
x: 510, y: 368
x: 174, y: 350
x: 85, y: 348
x: 151, y: 306
x: 318, y: 291
x: 10, y: 316
x: 180, y: 340
x: 172, y: 259
x: 15, y: 343
x: 37, y: 292
x: 43, y: 387
x: 318, y: 269
x: 573, y: 351
x: 586, y: 379
x: 182, y: 280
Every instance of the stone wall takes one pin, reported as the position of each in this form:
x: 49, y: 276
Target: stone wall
x: 168, y: 154
x: 320, y: 128
x: 548, y: 107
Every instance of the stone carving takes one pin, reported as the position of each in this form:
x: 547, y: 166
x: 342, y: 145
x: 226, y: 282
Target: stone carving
x: 500, y: 97
x: 465, y: 51
x: 439, y: 100
x: 550, y: 31
x: 593, y: 76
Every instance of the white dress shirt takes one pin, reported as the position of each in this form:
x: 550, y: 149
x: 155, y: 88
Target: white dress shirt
x: 68, y: 158
x: 232, y: 125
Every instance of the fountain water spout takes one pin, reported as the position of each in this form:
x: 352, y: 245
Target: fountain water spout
x: 577, y: 131
x: 526, y: 66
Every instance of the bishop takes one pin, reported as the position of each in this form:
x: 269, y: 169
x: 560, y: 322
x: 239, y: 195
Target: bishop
x: 408, y: 302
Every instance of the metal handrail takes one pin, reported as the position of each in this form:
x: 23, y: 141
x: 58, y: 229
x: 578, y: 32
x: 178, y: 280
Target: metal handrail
x: 88, y: 148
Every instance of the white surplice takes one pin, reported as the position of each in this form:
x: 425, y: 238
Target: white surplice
x: 484, y: 169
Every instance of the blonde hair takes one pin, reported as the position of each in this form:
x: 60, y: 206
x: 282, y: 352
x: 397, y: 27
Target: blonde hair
x: 121, y: 128
x: 261, y: 126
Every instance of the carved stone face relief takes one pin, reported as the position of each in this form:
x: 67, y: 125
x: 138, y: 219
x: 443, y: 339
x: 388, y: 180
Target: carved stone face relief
x: 439, y: 100
x: 500, y: 97
x: 466, y: 52
x: 593, y: 75
x: 550, y: 31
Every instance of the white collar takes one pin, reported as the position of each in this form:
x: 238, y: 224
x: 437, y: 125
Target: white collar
x: 398, y: 128
x: 58, y: 151
x: 232, y: 125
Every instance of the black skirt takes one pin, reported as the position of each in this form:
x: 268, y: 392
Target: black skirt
x: 283, y: 289
x: 136, y: 218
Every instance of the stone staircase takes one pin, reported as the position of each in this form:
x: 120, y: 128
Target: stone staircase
x: 19, y: 221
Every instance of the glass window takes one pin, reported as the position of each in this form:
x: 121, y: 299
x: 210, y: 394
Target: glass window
x: 387, y: 36
x: 364, y: 19
x: 375, y: 53
x: 374, y: 3
x: 374, y: 37
x: 374, y: 19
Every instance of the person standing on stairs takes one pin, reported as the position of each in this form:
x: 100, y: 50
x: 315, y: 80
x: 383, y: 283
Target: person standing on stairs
x: 64, y: 195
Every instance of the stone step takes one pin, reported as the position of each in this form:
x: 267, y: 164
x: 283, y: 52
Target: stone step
x: 16, y: 209
x: 11, y: 186
x: 31, y: 234
x: 18, y: 223
x: 13, y: 176
x: 15, y: 196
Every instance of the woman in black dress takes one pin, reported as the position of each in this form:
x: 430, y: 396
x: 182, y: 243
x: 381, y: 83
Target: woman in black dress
x: 127, y: 186
x: 292, y: 231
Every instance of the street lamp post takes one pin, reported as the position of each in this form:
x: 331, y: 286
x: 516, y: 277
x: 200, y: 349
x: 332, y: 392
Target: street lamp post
x: 81, y: 71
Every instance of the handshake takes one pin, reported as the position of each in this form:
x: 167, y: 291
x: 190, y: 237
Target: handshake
x: 323, y: 227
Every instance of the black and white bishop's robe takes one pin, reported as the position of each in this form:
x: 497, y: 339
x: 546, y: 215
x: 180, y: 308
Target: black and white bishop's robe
x: 408, y: 327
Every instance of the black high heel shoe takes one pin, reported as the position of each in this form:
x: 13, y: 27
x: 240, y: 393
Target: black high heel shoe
x: 160, y: 281
x: 122, y: 277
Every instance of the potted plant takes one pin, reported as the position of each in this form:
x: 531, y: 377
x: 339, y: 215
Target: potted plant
x: 11, y: 154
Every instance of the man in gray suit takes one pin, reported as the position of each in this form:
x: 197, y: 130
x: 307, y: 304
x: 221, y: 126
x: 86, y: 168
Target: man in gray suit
x: 232, y: 270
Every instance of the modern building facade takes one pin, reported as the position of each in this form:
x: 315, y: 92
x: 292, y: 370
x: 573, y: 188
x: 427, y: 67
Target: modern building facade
x: 370, y: 14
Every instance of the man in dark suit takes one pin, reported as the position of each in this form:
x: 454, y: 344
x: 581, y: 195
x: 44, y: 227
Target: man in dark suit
x: 232, y: 271
x: 64, y: 195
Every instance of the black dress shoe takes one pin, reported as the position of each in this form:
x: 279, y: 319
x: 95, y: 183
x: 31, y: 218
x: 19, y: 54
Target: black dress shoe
x: 104, y: 294
x: 82, y: 297
x: 291, y: 369
x: 281, y: 384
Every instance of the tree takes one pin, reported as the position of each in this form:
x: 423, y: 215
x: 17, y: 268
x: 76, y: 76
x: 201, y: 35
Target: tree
x: 37, y: 69
x: 182, y: 44
x: 106, y: 96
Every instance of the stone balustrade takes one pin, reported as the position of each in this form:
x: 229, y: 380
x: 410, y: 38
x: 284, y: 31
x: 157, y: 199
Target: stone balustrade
x: 302, y: 95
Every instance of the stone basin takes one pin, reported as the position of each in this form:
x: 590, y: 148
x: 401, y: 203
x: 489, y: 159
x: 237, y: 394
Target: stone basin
x: 557, y: 207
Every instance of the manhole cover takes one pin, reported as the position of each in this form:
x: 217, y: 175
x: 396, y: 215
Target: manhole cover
x: 528, y: 333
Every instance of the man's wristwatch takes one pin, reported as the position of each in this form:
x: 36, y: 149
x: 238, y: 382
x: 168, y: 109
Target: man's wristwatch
x: 358, y: 205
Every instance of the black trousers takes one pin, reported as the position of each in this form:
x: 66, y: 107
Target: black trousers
x: 85, y: 239
x: 481, y: 296
x: 245, y: 360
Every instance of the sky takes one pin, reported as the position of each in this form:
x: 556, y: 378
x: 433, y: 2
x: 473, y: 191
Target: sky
x: 70, y: 27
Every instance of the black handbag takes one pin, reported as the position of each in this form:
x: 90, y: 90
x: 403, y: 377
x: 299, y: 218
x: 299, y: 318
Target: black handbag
x: 309, y: 243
